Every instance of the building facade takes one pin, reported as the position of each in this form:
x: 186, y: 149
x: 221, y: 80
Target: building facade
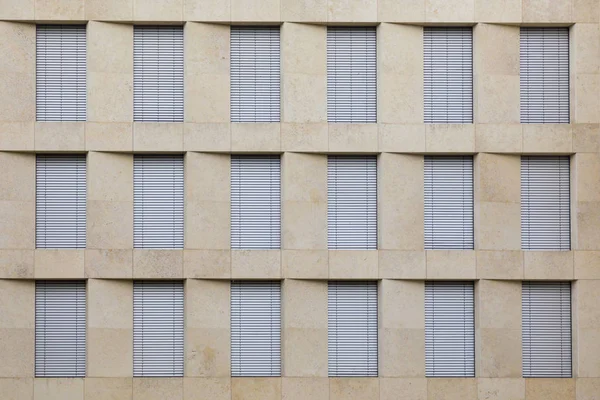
x: 300, y: 199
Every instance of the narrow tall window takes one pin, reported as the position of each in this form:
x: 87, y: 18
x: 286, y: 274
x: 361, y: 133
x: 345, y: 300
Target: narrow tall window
x: 545, y: 203
x: 448, y: 72
x: 60, y: 315
x: 544, y: 75
x: 449, y: 202
x: 255, y: 74
x: 351, y: 74
x: 60, y: 215
x: 255, y: 328
x: 157, y: 328
x: 352, y: 202
x: 352, y: 328
x: 61, y: 73
x: 449, y: 329
x: 255, y: 202
x: 546, y: 329
x: 158, y: 73
x: 158, y: 202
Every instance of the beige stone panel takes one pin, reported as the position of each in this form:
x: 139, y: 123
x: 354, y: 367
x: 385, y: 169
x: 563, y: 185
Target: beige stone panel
x: 300, y: 105
x: 498, y: 138
x: 109, y: 10
x: 546, y: 11
x: 586, y: 304
x: 401, y: 11
x: 305, y: 264
x: 207, y: 264
x: 305, y: 352
x: 157, y: 264
x: 207, y: 352
x: 201, y: 292
x: 17, y: 10
x: 587, y: 222
x: 309, y: 137
x: 116, y: 136
x: 587, y: 179
x: 400, y: 98
x: 500, y: 353
x: 109, y: 224
x: 443, y: 11
x: 207, y: 177
x: 110, y: 177
x: 502, y: 227
x: 206, y: 97
x: 586, y: 100
x: 18, y: 176
x: 307, y: 302
x: 58, y: 389
x: 452, y: 389
x: 586, y: 48
x: 305, y: 388
x: 59, y: 264
x: 16, y: 388
x: 501, y: 388
x: 17, y: 349
x: 207, y: 10
x: 499, y: 304
x: 451, y: 264
x: 304, y: 225
x: 586, y: 11
x: 304, y: 10
x: 397, y: 264
x: 157, y: 388
x: 403, y: 389
x: 586, y: 138
x: 255, y: 11
x: 110, y: 352
x: 351, y: 11
x: 401, y: 304
x: 110, y: 304
x: 207, y: 47
x: 117, y: 58
x: 586, y: 265
x: 256, y: 264
x: 253, y: 137
x: 399, y: 138
x: 498, y: 11
x: 548, y: 265
x: 500, y: 265
x: 402, y: 353
x: 17, y: 68
x: 20, y: 295
x: 353, y: 264
x: 587, y: 388
x: 255, y: 388
x: 547, y: 138
x: 497, y: 46
x: 497, y: 99
x: 17, y: 135
x: 207, y: 388
x: 498, y: 177
x: 207, y: 225
x: 207, y: 137
x: 305, y: 177
x: 354, y: 389
x: 588, y: 357
x: 450, y: 138
x: 164, y: 10
x: 59, y: 10
x: 157, y: 137
x: 549, y: 389
x: 59, y: 136
x: 17, y: 224
x: 110, y: 96
x: 16, y: 264
x: 108, y: 389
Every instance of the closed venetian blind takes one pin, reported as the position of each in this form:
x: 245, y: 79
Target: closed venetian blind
x: 158, y: 73
x: 60, y: 323
x: 255, y: 202
x: 544, y: 75
x: 352, y: 328
x: 158, y: 201
x: 256, y: 328
x: 545, y: 203
x: 60, y: 217
x: 449, y: 329
x: 61, y: 73
x: 352, y: 202
x: 157, y: 328
x: 448, y: 72
x: 351, y: 74
x: 448, y: 202
x: 546, y: 329
x: 255, y: 74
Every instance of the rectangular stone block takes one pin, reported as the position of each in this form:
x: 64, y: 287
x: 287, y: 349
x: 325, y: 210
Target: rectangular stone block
x: 452, y: 389
x: 353, y: 389
x: 207, y: 177
x: 148, y: 10
x: 401, y: 11
x: 546, y: 11
x: 110, y: 352
x: 108, y: 388
x: 59, y: 263
x: 157, y: 264
x: 256, y: 388
x: 255, y: 10
x: 501, y: 388
x: 109, y: 10
x: 587, y: 388
x: 451, y: 264
x: 586, y: 138
x: 59, y: 136
x: 157, y: 137
x: 549, y: 389
x: 18, y: 176
x: 450, y: 138
x: 398, y: 264
x: 207, y: 97
x: 256, y: 137
x: 207, y: 10
x: 211, y: 137
x: 586, y: 265
x: 351, y: 11
x: 402, y: 304
x: 403, y: 389
x: 407, y: 345
x: 305, y: 264
x: 442, y: 11
x: 17, y: 10
x: 401, y: 138
x: 308, y: 137
x: 59, y: 11
x: 256, y: 264
x: 586, y: 99
x: 498, y: 138
x: 115, y: 136
x: 502, y: 228
x: 207, y: 264
x: 586, y: 11
x: 554, y: 265
x: 587, y: 236
x: 207, y: 388
x: 547, y: 138
x: 158, y: 389
x: 17, y: 388
x: 500, y: 351
x: 17, y: 225
x: 498, y: 304
x: 498, y: 99
x: 16, y: 264
x: 109, y: 264
x: 500, y: 264
x: 353, y: 138
x: 304, y: 10
x: 110, y: 224
x: 303, y: 388
x: 498, y: 10
x: 17, y: 136
x: 58, y: 389
x: 353, y: 264
x: 586, y: 304
x: 207, y: 225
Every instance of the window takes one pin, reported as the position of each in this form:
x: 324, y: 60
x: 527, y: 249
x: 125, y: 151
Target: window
x: 60, y: 329
x: 544, y: 75
x: 60, y: 215
x: 158, y: 73
x: 351, y: 74
x: 545, y: 208
x: 546, y: 329
x: 449, y: 329
x: 352, y: 328
x: 61, y: 73
x: 449, y: 202
x: 255, y: 202
x: 255, y: 328
x: 255, y: 74
x: 448, y: 55
x: 158, y: 202
x: 352, y: 202
x: 157, y: 328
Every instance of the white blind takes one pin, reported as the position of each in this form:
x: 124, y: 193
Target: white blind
x: 157, y: 328
x: 546, y: 329
x: 255, y: 74
x: 61, y: 73
x: 351, y: 74
x: 158, y: 201
x: 255, y: 202
x: 544, y: 75
x: 158, y: 73
x: 255, y: 328
x: 352, y: 328
x: 352, y: 202
x: 60, y: 209
x: 448, y: 72
x: 449, y: 202
x: 60, y: 322
x: 545, y: 203
x: 449, y: 329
